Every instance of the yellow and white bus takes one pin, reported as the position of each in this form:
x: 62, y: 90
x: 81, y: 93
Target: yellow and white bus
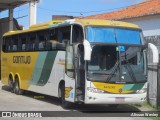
x: 78, y: 60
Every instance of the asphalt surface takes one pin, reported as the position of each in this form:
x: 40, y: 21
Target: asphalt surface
x: 37, y: 102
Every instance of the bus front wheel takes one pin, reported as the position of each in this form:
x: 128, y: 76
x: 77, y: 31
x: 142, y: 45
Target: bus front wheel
x: 17, y: 89
x: 64, y: 103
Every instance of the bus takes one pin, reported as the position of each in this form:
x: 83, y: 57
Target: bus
x: 78, y: 60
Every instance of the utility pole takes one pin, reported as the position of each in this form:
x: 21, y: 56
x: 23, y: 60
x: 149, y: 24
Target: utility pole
x: 10, y: 19
x: 32, y: 12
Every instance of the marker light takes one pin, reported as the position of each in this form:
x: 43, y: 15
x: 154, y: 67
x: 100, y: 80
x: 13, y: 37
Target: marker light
x: 143, y: 90
x: 94, y: 90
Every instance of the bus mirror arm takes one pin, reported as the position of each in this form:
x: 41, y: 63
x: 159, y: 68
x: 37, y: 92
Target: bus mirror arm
x: 87, y: 50
x: 145, y: 46
x: 153, y: 55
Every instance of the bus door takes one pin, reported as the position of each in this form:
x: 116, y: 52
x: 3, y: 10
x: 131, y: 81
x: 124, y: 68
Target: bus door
x: 80, y: 72
x: 70, y: 75
x: 75, y: 74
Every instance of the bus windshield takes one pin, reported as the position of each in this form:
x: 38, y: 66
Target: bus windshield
x: 113, y: 35
x: 116, y: 64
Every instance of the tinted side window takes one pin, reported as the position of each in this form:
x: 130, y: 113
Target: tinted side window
x: 22, y: 42
x: 7, y: 44
x: 32, y: 42
x: 42, y: 39
x: 53, y: 39
x: 77, y: 35
x: 4, y: 44
x: 14, y: 43
x: 64, y: 34
x: 59, y: 37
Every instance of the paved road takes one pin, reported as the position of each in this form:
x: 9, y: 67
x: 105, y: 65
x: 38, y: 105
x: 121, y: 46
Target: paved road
x: 37, y: 102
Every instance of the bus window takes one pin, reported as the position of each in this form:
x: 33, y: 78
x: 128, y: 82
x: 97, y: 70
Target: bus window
x: 64, y: 37
x: 48, y: 44
x: 53, y: 39
x: 14, y: 43
x: 22, y: 42
x: 32, y: 43
x: 58, y: 38
x: 77, y: 35
x: 42, y: 39
x: 5, y: 44
x: 69, y: 61
x: 8, y: 44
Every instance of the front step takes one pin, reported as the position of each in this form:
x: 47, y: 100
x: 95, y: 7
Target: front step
x: 79, y: 95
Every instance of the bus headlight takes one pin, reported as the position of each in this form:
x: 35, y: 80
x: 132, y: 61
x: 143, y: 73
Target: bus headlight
x: 143, y: 90
x: 94, y: 90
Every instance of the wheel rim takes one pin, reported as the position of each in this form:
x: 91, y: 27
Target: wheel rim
x: 17, y: 87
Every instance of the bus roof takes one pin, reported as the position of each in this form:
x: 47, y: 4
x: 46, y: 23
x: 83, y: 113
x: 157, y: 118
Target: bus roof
x: 35, y: 27
x: 84, y: 22
x: 111, y: 23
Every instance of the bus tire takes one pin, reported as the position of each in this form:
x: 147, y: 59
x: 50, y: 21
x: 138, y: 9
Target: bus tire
x: 65, y: 104
x: 17, y: 89
x: 10, y: 83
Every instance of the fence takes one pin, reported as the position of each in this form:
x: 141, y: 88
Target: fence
x: 154, y: 85
x: 158, y: 86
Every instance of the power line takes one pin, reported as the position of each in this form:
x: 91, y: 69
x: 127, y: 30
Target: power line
x: 21, y: 17
x: 49, y: 10
x: 6, y: 14
x: 22, y: 9
x: 8, y: 20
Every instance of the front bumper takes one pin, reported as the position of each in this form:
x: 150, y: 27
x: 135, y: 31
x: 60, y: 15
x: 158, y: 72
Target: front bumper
x: 97, y: 98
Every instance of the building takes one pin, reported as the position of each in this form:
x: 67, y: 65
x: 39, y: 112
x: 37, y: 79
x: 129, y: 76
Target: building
x: 145, y: 14
x: 9, y: 24
x: 61, y: 17
x: 4, y: 26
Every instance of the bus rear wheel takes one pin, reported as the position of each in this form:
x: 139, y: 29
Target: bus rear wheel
x: 10, y: 84
x: 64, y: 103
x: 16, y: 88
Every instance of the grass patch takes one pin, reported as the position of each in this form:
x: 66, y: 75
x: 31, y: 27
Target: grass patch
x: 145, y: 106
x: 155, y: 118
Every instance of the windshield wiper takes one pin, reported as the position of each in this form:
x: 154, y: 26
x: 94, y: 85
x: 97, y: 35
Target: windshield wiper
x: 130, y: 71
x: 128, y: 67
x: 113, y: 72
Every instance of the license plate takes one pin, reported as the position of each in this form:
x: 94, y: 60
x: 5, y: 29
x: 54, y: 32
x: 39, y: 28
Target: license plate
x: 120, y: 99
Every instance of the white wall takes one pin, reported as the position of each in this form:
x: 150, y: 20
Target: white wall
x: 150, y: 24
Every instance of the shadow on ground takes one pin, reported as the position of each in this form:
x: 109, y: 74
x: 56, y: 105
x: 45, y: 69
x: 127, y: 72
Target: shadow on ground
x: 80, y: 107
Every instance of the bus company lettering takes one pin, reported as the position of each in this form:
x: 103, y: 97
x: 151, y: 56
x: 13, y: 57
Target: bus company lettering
x: 22, y: 59
x: 109, y: 87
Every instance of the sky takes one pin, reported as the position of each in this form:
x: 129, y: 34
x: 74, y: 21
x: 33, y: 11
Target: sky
x: 47, y: 8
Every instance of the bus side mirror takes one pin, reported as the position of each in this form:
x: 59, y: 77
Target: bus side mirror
x: 153, y: 54
x: 87, y: 50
